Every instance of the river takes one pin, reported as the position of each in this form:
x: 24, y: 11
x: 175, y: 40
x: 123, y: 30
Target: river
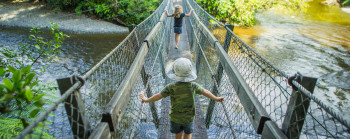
x: 80, y: 52
x: 314, y: 41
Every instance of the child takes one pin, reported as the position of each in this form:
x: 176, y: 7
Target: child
x: 182, y: 95
x: 178, y: 18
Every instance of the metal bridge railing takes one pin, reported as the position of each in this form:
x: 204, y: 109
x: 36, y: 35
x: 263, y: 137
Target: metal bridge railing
x: 297, y: 113
x: 80, y: 108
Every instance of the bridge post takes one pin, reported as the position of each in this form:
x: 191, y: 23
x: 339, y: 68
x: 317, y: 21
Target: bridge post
x: 218, y: 77
x: 145, y: 79
x: 297, y: 107
x: 75, y: 108
x: 228, y: 36
x: 199, y: 57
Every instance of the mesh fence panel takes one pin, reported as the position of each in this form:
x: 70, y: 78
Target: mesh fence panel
x: 271, y: 85
x: 101, y: 82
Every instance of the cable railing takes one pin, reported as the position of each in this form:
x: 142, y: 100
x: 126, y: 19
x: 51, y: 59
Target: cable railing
x: 311, y: 117
x: 80, y: 108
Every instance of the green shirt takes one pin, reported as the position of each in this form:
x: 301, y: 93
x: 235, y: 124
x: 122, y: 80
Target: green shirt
x: 182, y: 96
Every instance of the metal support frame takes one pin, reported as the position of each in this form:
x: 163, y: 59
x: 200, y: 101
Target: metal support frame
x: 145, y: 79
x: 298, y: 106
x: 75, y: 108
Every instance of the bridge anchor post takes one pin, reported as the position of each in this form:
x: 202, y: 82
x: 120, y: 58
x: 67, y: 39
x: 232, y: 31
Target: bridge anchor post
x: 297, y: 107
x: 75, y: 108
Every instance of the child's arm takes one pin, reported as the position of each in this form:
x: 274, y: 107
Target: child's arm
x: 208, y: 94
x: 189, y: 14
x: 155, y: 97
x: 167, y: 14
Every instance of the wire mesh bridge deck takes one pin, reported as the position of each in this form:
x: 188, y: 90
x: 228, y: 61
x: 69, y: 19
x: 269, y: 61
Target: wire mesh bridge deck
x: 260, y: 100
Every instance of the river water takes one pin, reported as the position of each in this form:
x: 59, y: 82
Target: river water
x: 80, y: 52
x: 315, y: 43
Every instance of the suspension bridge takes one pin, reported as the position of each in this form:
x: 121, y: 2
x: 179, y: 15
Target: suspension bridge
x: 260, y: 100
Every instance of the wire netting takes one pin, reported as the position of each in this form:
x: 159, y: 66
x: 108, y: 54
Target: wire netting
x: 228, y: 117
x: 271, y: 85
x: 142, y: 114
x: 101, y: 82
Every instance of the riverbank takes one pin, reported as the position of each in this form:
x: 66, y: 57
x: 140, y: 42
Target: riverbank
x: 26, y: 15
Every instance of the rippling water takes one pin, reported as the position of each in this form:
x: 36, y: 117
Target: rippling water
x: 315, y: 43
x: 80, y: 52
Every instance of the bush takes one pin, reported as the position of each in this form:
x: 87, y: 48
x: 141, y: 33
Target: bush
x: 242, y: 12
x: 135, y: 11
x: 21, y: 93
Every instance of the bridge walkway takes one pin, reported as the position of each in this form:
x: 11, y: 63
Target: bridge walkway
x: 164, y: 122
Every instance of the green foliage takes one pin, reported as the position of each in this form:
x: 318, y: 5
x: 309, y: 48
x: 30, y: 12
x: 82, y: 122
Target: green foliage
x: 9, y: 128
x: 103, y: 9
x: 43, y: 47
x: 242, y: 12
x: 21, y: 94
x: 135, y: 11
x: 62, y: 4
x: 345, y: 3
x: 16, y: 93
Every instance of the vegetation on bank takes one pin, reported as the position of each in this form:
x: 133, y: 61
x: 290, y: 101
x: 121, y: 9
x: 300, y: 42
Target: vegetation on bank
x: 125, y: 11
x: 22, y: 95
x: 345, y: 3
x: 242, y: 12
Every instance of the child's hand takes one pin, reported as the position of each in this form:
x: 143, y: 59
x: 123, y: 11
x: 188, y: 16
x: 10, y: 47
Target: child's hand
x: 219, y: 99
x: 143, y: 98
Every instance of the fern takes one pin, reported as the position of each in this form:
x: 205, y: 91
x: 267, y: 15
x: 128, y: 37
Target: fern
x: 9, y: 128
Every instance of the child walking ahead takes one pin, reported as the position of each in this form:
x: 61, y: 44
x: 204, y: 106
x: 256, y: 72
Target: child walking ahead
x: 182, y: 95
x: 178, y: 18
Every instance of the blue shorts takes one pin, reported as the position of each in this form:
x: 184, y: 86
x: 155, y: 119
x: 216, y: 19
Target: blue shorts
x: 178, y: 30
x: 177, y: 128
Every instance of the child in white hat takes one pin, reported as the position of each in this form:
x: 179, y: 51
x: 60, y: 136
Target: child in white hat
x: 182, y: 95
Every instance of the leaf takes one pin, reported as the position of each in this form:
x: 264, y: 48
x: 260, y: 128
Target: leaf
x: 28, y: 94
x: 8, y: 84
x: 2, y: 71
x: 39, y: 103
x: 37, y: 46
x: 29, y: 78
x: 26, y: 69
x: 34, y: 112
x: 11, y: 69
x: 38, y: 97
x: 16, y: 76
x: 6, y: 97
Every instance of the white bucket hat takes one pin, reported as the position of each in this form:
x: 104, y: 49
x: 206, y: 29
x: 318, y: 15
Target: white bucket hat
x: 181, y: 70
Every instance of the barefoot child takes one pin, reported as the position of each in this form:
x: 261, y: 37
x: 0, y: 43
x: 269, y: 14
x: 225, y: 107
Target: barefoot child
x: 178, y: 18
x: 182, y: 95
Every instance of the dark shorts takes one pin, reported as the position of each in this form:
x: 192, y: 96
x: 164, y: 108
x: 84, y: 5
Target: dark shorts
x: 178, y: 30
x: 176, y: 128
